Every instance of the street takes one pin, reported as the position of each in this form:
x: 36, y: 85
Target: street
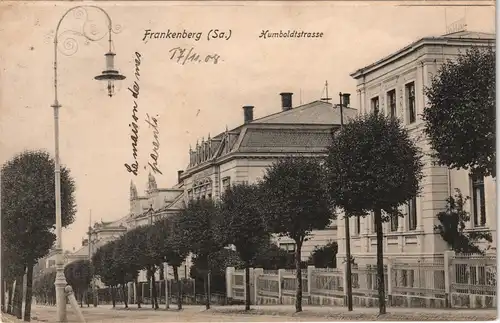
x: 277, y: 313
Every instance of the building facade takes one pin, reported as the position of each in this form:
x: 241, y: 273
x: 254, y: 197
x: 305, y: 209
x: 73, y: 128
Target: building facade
x: 395, y: 86
x: 239, y: 155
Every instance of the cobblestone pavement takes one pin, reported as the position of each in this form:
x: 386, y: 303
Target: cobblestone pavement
x: 275, y: 313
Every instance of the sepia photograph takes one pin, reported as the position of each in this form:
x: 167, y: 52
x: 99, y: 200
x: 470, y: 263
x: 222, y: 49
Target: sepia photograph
x: 239, y: 161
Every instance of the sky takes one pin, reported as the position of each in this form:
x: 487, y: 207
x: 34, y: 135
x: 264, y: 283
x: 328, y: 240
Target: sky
x: 189, y: 101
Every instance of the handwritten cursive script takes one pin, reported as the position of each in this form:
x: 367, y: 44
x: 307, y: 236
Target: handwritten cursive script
x: 153, y: 123
x: 134, y: 166
x: 183, y: 56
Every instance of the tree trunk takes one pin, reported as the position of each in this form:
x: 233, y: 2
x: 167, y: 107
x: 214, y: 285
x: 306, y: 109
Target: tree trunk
x: 298, y: 269
x: 154, y: 298
x: 113, y: 300
x: 380, y: 261
x: 3, y: 294
x: 207, y: 292
x: 29, y: 294
x: 81, y: 297
x: 18, y: 299
x: 179, y: 288
x: 247, y: 286
x: 138, y: 289
x: 124, y: 296
x: 9, y: 299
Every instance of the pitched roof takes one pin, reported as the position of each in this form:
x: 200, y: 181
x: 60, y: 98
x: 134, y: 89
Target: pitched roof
x: 284, y: 140
x: 457, y: 36
x: 316, y: 112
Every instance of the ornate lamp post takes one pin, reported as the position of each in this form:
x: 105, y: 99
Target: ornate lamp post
x: 70, y: 46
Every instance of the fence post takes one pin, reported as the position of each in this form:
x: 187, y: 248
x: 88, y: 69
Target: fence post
x: 310, y: 270
x: 448, y: 254
x: 389, y: 280
x: 344, y: 281
x: 256, y: 273
x: 135, y: 292
x: 229, y: 282
x: 129, y: 292
x: 281, y: 272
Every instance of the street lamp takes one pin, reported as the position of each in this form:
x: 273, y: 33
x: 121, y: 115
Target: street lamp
x: 70, y: 46
x: 344, y: 102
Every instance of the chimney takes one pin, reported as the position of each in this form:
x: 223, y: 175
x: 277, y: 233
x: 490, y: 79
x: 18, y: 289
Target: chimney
x: 346, y: 100
x: 248, y: 113
x: 179, y: 173
x: 286, y: 100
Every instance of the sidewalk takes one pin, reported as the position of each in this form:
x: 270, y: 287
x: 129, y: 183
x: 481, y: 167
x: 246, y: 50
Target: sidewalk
x: 363, y: 313
x: 237, y: 313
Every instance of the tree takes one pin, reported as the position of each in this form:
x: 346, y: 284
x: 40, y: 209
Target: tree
x: 373, y: 165
x: 243, y: 225
x: 452, y: 227
x: 28, y: 210
x: 44, y: 289
x: 460, y: 118
x: 152, y: 256
x: 106, y: 267
x: 198, y: 222
x: 296, y: 203
x: 132, y: 254
x: 272, y: 257
x: 324, y: 256
x: 175, y: 250
x: 78, y: 275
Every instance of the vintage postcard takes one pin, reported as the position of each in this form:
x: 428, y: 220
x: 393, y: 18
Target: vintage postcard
x: 248, y: 160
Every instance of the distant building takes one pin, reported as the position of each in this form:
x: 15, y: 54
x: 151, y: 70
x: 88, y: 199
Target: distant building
x: 394, y: 86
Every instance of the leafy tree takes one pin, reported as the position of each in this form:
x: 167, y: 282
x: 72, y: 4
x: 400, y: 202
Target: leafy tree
x: 152, y: 257
x: 175, y: 250
x: 28, y: 210
x: 106, y: 267
x: 460, y: 118
x: 78, y: 275
x: 296, y: 203
x: 272, y: 257
x: 198, y: 222
x: 452, y: 227
x: 217, y: 265
x: 243, y: 225
x: 129, y: 254
x: 373, y: 165
x: 44, y: 289
x: 324, y: 256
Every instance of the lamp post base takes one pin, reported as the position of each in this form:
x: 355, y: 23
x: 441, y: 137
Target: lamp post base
x: 60, y: 284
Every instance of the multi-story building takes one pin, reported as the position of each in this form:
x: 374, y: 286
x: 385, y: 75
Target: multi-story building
x: 395, y: 86
x: 239, y: 155
x: 242, y: 155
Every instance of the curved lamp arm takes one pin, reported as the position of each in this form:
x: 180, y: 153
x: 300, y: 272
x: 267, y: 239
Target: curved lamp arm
x: 89, y: 32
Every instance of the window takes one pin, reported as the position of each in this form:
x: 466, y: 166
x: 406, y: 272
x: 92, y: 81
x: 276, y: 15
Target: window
x: 410, y: 102
x: 357, y: 227
x: 226, y: 183
x: 412, y: 214
x: 394, y: 222
x: 288, y: 246
x: 375, y: 105
x: 478, y: 201
x: 391, y: 103
x: 52, y: 263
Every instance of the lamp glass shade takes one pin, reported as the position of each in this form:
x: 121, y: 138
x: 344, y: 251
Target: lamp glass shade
x: 110, y: 74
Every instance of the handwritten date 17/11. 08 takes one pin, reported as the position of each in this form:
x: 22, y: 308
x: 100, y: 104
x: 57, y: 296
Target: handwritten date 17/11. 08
x: 183, y: 56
